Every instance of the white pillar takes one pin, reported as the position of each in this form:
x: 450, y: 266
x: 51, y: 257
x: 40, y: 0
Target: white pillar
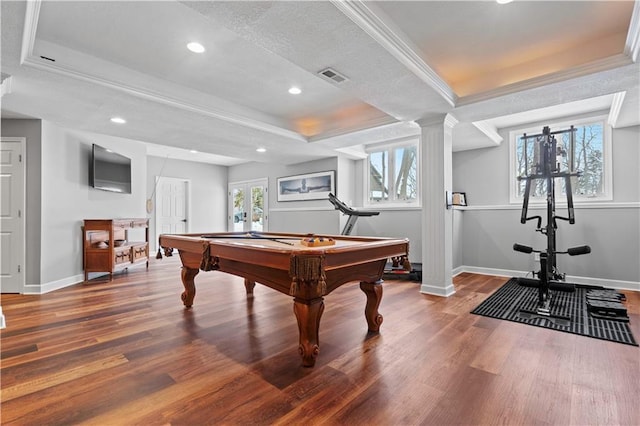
x: 437, y: 219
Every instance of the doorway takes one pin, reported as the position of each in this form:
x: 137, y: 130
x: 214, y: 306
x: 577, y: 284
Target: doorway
x: 172, y: 206
x: 248, y: 206
x: 12, y: 212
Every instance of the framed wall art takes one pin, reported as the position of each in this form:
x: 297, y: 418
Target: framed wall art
x: 310, y: 186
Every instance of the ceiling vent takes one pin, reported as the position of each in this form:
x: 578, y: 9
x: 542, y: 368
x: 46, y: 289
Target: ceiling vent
x: 333, y: 75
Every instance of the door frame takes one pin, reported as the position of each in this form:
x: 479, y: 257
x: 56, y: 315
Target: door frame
x: 247, y: 184
x: 187, y: 205
x: 21, y: 253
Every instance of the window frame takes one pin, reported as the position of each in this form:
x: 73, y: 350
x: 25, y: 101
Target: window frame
x: 559, y: 124
x: 390, y: 147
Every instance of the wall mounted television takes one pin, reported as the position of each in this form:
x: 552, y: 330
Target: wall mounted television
x: 110, y: 171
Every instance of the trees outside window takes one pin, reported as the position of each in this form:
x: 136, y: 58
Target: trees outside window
x: 393, y: 171
x: 588, y: 152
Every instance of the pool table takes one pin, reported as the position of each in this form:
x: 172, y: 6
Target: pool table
x: 284, y: 263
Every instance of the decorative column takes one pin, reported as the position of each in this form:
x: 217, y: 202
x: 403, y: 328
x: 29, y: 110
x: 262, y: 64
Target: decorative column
x: 437, y: 219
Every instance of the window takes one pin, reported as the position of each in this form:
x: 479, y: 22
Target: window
x: 589, y: 153
x: 393, y: 173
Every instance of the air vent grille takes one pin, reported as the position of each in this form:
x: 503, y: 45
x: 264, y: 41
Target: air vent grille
x: 333, y: 75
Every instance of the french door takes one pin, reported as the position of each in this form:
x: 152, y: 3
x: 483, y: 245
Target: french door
x: 248, y: 206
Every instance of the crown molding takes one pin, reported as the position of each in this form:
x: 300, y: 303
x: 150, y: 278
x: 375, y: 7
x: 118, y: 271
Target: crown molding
x: 166, y: 100
x: 29, y: 60
x: 612, y: 62
x: 396, y: 44
x: 632, y: 45
x: 616, y: 106
x: 31, y: 16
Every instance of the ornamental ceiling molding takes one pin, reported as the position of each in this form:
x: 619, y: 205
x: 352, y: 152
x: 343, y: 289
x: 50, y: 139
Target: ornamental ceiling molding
x: 612, y: 62
x: 629, y: 56
x: 397, y: 44
x: 632, y: 45
x: 28, y: 59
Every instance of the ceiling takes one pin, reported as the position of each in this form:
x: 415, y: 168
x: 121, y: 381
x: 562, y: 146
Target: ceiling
x: 489, y: 66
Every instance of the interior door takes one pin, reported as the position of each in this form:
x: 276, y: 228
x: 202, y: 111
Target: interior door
x: 248, y: 205
x: 172, y: 206
x: 12, y: 230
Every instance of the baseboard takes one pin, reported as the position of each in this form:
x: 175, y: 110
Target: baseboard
x: 615, y: 284
x: 53, y: 285
x: 437, y: 290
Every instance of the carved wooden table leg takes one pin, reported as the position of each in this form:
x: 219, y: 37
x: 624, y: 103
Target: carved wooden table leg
x: 249, y: 285
x: 374, y: 296
x: 188, y: 275
x: 308, y: 313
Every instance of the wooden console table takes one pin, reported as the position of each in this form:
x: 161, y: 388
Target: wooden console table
x: 107, y: 247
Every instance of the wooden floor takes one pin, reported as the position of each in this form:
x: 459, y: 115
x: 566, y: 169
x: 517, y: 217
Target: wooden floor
x: 127, y: 352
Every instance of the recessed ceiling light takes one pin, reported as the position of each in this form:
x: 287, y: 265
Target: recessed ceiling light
x: 195, y: 47
x: 295, y: 90
x: 261, y: 149
x: 118, y: 120
x: 503, y: 1
x: 193, y: 151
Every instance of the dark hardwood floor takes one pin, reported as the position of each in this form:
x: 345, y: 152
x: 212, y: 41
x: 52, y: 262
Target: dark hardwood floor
x: 127, y: 352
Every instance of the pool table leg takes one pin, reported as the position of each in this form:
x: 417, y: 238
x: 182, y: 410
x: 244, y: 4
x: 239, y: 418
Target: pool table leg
x: 308, y: 313
x: 374, y: 296
x: 249, y: 285
x: 188, y: 275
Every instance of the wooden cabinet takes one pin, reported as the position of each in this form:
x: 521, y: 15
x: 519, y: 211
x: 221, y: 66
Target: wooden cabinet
x: 108, y: 247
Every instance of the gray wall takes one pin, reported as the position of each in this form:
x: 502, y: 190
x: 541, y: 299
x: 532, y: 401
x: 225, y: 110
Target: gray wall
x: 491, y: 225
x: 67, y: 198
x: 32, y: 131
x: 59, y: 197
x: 208, y: 193
x: 312, y: 216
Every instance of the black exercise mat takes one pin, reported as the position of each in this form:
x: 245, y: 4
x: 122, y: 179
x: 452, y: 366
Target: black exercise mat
x: 509, y: 299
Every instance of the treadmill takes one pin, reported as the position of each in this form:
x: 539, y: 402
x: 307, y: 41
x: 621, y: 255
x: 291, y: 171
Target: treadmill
x: 397, y: 266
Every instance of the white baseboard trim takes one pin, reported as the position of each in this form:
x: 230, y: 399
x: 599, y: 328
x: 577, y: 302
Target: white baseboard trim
x: 53, y: 285
x: 437, y: 290
x: 615, y: 284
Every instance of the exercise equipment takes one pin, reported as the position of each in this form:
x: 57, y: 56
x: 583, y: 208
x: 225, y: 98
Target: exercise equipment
x: 352, y: 213
x: 548, y: 168
x: 396, y: 265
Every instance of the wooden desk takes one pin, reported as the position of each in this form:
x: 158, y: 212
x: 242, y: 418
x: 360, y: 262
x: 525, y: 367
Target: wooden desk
x: 282, y: 263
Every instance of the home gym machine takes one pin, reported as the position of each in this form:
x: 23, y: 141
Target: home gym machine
x: 352, y: 213
x: 396, y: 265
x: 548, y: 168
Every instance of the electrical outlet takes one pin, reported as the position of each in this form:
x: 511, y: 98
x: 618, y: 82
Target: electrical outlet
x: 536, y: 257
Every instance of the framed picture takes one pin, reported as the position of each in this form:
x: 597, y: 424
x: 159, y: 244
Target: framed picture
x: 312, y: 186
x: 459, y: 199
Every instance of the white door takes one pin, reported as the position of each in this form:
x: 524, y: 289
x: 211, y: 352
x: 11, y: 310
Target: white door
x: 248, y: 206
x: 12, y: 231
x: 171, y: 206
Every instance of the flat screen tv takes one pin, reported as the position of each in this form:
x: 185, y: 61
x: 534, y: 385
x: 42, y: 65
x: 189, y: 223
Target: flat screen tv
x: 110, y: 171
